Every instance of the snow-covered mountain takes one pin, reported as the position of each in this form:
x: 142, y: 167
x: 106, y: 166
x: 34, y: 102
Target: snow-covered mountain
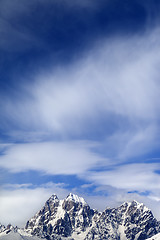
x: 129, y: 221
x: 62, y: 218
x: 11, y: 233
x: 73, y: 219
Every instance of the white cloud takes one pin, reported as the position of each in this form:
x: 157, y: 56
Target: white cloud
x: 131, y: 177
x: 50, y: 157
x: 20, y: 203
x: 120, y: 82
x: 118, y: 79
x: 132, y: 142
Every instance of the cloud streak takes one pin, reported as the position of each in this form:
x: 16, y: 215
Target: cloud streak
x: 116, y: 83
x: 132, y: 177
x: 50, y: 158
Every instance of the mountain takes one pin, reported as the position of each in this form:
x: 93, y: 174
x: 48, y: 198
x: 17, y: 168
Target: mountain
x: 62, y: 218
x: 11, y: 233
x: 129, y: 221
x: 73, y: 219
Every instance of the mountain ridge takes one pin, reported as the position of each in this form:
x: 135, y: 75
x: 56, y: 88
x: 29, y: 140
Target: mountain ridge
x: 73, y: 219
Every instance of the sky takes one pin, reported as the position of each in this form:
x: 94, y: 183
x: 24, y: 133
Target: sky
x: 79, y: 104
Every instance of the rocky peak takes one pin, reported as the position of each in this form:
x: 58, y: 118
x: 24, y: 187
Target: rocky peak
x: 46, y: 214
x: 73, y: 202
x: 7, y: 230
x: 61, y: 217
x: 75, y: 198
x: 132, y: 221
x: 72, y: 218
x: 53, y: 198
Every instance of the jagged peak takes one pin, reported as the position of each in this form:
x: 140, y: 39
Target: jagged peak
x: 78, y: 220
x: 75, y: 198
x: 137, y: 204
x: 134, y: 202
x: 53, y: 198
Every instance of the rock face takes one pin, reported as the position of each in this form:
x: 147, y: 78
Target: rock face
x: 129, y: 221
x: 72, y: 218
x: 61, y: 218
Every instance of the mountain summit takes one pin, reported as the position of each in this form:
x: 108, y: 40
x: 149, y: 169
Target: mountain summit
x: 61, y: 218
x: 73, y: 219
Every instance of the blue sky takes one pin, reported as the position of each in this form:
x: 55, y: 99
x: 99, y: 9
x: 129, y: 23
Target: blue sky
x: 79, y: 97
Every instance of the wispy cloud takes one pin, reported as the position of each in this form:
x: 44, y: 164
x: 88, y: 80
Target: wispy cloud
x: 15, y: 40
x: 19, y: 202
x: 116, y: 83
x: 140, y: 177
x: 17, y: 18
x: 51, y: 157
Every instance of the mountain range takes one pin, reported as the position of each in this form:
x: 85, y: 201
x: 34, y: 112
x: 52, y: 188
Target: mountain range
x: 73, y: 219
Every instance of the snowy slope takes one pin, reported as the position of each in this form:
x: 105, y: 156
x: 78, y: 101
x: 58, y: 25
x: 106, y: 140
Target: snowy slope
x: 15, y: 233
x: 17, y: 236
x: 155, y: 237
